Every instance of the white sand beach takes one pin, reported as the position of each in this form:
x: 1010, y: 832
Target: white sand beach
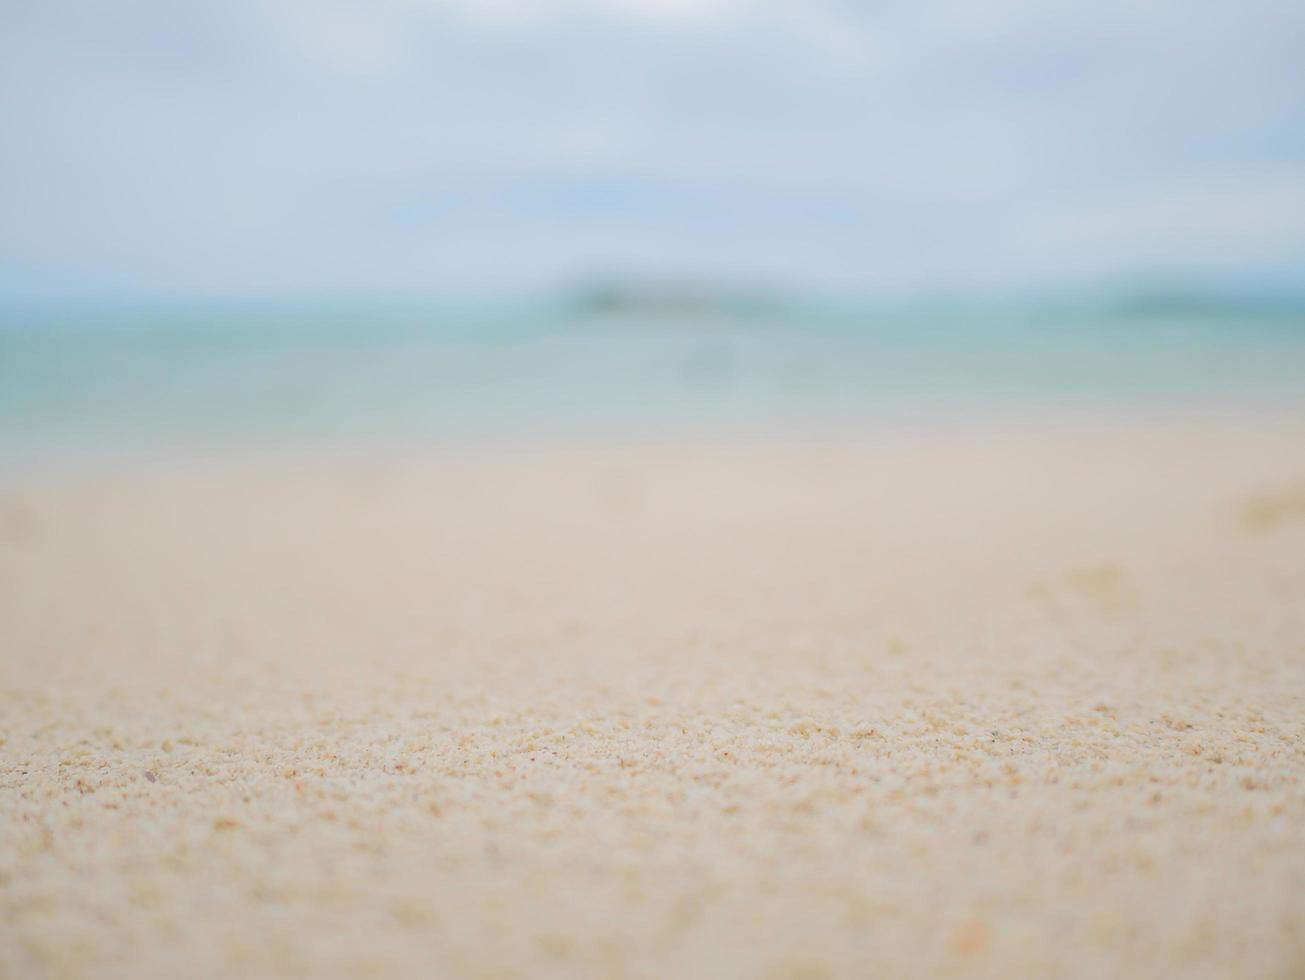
x: 940, y: 705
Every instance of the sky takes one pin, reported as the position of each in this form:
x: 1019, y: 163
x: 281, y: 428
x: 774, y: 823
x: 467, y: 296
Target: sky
x: 428, y: 147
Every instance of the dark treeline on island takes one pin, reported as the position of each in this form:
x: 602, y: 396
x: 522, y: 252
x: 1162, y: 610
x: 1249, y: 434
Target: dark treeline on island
x: 673, y: 299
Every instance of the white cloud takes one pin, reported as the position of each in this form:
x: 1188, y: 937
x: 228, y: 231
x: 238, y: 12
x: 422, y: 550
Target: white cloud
x: 672, y: 9
x: 365, y: 144
x: 348, y: 37
x: 1243, y: 217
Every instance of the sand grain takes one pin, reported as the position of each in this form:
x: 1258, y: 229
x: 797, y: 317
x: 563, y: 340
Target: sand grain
x: 1033, y: 707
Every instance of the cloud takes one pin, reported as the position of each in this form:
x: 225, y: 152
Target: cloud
x: 370, y: 37
x: 1239, y: 219
x: 441, y: 144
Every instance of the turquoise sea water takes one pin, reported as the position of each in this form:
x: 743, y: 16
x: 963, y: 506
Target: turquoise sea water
x: 222, y: 375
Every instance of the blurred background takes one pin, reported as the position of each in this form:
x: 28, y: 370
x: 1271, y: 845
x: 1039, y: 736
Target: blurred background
x: 250, y: 222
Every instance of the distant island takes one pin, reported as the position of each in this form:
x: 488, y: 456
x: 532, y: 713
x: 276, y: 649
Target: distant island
x: 672, y: 299
x: 1193, y: 303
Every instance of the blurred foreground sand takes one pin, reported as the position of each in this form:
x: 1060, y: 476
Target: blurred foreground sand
x: 931, y: 706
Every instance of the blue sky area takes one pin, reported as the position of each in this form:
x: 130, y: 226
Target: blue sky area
x: 222, y: 148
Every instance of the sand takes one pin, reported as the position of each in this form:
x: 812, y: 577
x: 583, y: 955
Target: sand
x: 1028, y: 704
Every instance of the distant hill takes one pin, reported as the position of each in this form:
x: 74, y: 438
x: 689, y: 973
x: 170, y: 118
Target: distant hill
x: 672, y: 299
x: 1185, y: 303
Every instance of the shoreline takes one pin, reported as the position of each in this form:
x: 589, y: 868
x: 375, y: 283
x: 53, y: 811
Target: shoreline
x: 34, y: 461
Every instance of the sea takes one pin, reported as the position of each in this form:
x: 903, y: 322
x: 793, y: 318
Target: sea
x: 200, y: 377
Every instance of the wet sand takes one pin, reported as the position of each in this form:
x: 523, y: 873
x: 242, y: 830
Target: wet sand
x: 932, y: 706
